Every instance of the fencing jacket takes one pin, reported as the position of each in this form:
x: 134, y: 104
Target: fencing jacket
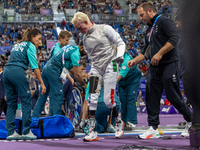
x: 99, y: 46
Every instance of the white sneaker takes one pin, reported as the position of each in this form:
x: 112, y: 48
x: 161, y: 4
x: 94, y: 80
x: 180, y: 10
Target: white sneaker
x: 92, y: 136
x: 150, y: 133
x: 29, y: 136
x: 130, y: 125
x: 185, y: 132
x: 119, y: 129
x: 14, y: 136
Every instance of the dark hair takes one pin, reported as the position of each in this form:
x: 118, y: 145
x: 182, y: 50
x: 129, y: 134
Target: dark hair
x: 146, y: 6
x: 82, y: 63
x: 27, y: 36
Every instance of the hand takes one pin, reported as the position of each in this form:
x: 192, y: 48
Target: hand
x: 155, y: 60
x: 5, y: 98
x: 131, y: 63
x: 43, y: 88
x: 119, y: 60
x: 73, y: 84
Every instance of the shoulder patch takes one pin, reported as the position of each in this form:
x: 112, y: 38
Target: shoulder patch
x: 124, y: 67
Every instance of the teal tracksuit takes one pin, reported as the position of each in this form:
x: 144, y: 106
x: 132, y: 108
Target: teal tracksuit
x: 54, y: 49
x: 51, y: 78
x: 102, y: 111
x: 16, y: 84
x: 128, y: 87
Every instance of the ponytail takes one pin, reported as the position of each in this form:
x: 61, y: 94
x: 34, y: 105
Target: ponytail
x: 28, y: 33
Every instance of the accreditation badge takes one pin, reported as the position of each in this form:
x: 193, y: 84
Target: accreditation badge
x: 64, y: 73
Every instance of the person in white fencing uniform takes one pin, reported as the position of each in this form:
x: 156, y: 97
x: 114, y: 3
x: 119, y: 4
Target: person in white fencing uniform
x: 98, y: 41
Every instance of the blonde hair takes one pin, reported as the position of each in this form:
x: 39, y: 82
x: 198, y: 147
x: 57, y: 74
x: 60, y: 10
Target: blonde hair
x: 64, y: 34
x: 83, y: 74
x: 80, y: 17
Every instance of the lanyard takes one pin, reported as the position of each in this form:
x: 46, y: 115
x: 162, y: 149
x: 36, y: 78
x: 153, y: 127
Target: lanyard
x: 63, y: 59
x: 153, y: 27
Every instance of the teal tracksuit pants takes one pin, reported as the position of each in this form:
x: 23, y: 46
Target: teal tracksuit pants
x: 127, y: 96
x: 54, y: 88
x: 16, y: 85
x: 101, y: 116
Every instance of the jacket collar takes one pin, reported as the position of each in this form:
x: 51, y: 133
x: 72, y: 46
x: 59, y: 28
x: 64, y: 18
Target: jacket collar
x: 153, y: 19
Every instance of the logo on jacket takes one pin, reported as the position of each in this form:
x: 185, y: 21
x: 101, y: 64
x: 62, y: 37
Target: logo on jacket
x: 124, y: 67
x: 174, y: 78
x: 156, y: 28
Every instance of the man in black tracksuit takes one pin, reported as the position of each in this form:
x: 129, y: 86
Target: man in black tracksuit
x: 161, y: 37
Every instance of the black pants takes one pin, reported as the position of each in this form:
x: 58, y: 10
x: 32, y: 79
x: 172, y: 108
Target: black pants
x: 191, y: 94
x: 159, y: 78
x: 3, y: 106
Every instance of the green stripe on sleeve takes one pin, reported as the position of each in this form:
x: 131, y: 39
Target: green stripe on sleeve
x: 114, y: 66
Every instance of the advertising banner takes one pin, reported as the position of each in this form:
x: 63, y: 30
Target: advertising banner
x: 3, y: 49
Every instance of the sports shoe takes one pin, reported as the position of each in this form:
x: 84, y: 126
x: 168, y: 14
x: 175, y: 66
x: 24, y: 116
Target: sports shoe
x: 14, y: 136
x: 150, y: 133
x: 119, y: 129
x: 185, y: 132
x: 29, y: 136
x: 110, y: 128
x: 130, y: 125
x: 92, y: 136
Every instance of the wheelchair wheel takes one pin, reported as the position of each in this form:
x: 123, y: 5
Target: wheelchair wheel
x: 74, y: 106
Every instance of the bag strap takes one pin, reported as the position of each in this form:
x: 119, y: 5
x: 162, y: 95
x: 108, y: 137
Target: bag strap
x: 20, y: 127
x: 41, y: 128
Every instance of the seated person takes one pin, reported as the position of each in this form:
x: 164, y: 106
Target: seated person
x: 69, y: 83
x: 162, y: 102
x: 102, y: 113
x: 141, y: 102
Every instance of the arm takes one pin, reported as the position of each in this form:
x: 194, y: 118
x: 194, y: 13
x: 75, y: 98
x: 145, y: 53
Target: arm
x: 85, y: 105
x: 115, y: 37
x: 119, y: 78
x: 37, y: 73
x: 34, y: 66
x: 70, y: 78
x: 158, y: 56
x: 136, y: 60
x: 169, y: 28
x: 85, y: 108
x: 75, y: 58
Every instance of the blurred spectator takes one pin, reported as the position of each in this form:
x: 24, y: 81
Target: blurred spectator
x: 162, y: 102
x: 167, y: 102
x: 63, y: 24
x: 7, y: 53
x: 5, y: 16
x: 142, y: 103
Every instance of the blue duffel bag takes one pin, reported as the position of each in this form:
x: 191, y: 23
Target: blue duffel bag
x: 44, y: 127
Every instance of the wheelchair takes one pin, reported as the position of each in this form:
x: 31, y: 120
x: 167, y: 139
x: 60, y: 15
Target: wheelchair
x: 73, y: 105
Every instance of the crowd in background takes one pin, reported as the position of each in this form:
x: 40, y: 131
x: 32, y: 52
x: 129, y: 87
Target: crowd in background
x: 27, y: 6
x: 91, y: 6
x: 162, y: 6
x: 131, y: 32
